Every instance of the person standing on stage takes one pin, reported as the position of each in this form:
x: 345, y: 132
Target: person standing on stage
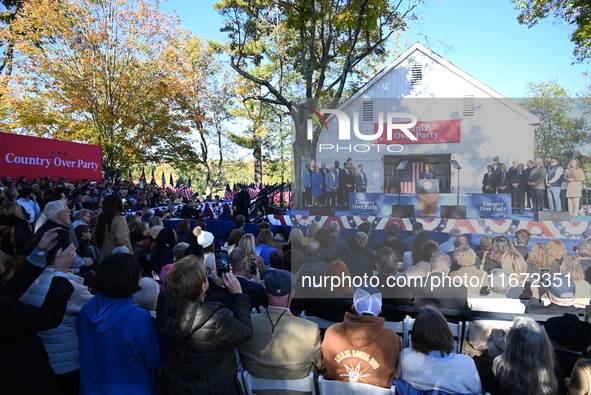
x: 307, y: 184
x: 347, y: 181
x: 497, y: 165
x: 537, y: 183
x: 518, y: 186
x: 241, y: 202
x: 489, y: 181
x: 332, y: 186
x: 323, y: 172
x: 554, y: 178
x: 316, y: 186
x: 528, y: 192
x: 503, y: 181
x: 360, y: 180
x: 574, y: 184
x: 428, y: 173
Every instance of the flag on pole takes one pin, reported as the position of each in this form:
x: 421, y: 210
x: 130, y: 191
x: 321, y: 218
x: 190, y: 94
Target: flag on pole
x: 180, y: 188
x: 251, y: 191
x: 130, y: 179
x: 143, y: 179
x: 107, y: 175
x: 118, y: 175
x: 409, y: 176
x: 153, y: 180
x: 189, y: 190
x: 163, y: 181
x: 229, y: 195
x: 171, y: 183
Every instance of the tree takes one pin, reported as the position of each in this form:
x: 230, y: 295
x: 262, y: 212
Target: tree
x: 562, y: 130
x: 576, y: 13
x: 322, y: 42
x: 201, y: 87
x: 101, y: 79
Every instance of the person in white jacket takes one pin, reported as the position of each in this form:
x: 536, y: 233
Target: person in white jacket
x: 61, y: 343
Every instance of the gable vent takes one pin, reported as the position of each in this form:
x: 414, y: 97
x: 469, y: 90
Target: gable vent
x: 416, y: 74
x: 468, y: 106
x: 367, y: 111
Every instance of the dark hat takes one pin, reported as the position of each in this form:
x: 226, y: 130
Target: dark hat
x: 561, y: 287
x: 279, y: 282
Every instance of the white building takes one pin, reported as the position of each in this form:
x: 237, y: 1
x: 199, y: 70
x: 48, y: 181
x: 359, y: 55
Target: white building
x: 458, y: 118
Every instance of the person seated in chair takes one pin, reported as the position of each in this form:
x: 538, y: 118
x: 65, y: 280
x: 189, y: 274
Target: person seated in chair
x: 360, y: 349
x: 284, y: 346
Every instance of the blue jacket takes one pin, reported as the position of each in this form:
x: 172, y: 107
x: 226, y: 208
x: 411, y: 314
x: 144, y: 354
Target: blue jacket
x: 119, y: 347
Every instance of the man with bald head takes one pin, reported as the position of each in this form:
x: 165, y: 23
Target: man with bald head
x: 537, y: 184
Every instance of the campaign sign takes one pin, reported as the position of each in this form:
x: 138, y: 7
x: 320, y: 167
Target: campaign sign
x: 38, y: 157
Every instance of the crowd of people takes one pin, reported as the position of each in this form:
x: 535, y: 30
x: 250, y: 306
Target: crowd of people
x: 92, y: 301
x: 537, y: 185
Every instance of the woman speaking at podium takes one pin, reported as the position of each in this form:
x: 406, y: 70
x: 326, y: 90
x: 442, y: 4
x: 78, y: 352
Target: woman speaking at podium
x: 428, y: 173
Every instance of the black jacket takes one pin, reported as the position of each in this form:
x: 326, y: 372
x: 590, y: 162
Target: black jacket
x: 197, y: 343
x: 22, y: 355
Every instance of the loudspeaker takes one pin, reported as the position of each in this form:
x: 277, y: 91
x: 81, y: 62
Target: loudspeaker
x: 403, y: 211
x: 276, y: 210
x: 322, y: 210
x: 456, y: 212
x: 554, y: 216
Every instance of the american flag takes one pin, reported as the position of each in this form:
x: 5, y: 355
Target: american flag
x: 180, y: 187
x: 171, y: 183
x: 143, y: 179
x: 229, y: 195
x: 163, y: 181
x: 189, y: 190
x: 252, y: 191
x: 409, y: 176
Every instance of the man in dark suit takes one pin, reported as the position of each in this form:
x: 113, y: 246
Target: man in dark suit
x: 518, y: 187
x: 503, y: 181
x: 241, y: 202
x: 438, y: 290
x: 497, y: 165
x: 335, y: 241
x: 392, y: 241
x: 537, y: 183
x: 489, y: 181
x: 347, y: 182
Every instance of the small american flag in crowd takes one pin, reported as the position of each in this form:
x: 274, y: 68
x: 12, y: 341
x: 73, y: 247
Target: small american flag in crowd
x: 189, y: 190
x: 409, y: 176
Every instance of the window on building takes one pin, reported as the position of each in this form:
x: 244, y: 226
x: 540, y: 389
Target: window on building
x: 468, y: 106
x: 367, y: 111
x: 416, y: 74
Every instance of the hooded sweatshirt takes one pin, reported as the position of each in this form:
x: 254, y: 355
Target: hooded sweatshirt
x: 119, y: 347
x: 361, y: 350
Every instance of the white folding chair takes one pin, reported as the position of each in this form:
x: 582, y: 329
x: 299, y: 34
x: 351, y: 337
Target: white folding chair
x: 254, y: 384
x: 321, y: 322
x: 398, y: 327
x: 333, y: 387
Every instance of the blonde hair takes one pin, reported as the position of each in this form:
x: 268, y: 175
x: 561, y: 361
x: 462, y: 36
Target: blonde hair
x: 11, y: 209
x: 296, y: 235
x: 155, y: 231
x: 246, y: 244
x: 570, y: 164
x: 486, y: 247
x: 539, y: 257
x: 556, y: 249
x: 465, y: 256
x: 513, y: 263
x: 570, y: 266
x: 185, y: 278
x: 312, y: 229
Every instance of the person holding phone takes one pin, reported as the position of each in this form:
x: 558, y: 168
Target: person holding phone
x: 198, y: 337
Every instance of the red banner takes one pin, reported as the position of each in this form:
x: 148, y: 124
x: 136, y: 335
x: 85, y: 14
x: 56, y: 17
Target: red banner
x: 38, y: 157
x: 426, y: 132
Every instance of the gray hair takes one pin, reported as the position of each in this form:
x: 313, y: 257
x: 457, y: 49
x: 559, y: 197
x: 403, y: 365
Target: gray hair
x: 52, y: 209
x: 499, y: 281
x: 334, y: 227
x: 179, y: 250
x: 440, y: 263
x: 80, y: 213
x: 147, y: 296
x: 584, y: 249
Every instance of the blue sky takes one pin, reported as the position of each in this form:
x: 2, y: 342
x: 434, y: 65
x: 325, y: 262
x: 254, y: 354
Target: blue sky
x: 482, y: 37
